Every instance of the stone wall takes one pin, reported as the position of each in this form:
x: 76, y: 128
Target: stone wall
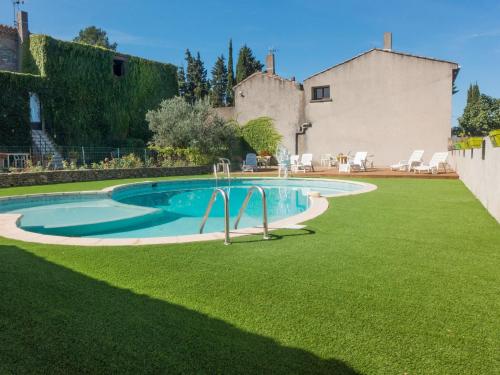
x: 480, y: 171
x: 227, y: 113
x: 54, y: 177
x: 8, y: 48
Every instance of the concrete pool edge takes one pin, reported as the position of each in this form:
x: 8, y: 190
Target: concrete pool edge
x: 9, y: 227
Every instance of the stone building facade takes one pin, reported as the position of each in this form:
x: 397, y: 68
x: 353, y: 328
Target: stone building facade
x: 384, y: 102
x: 11, y: 40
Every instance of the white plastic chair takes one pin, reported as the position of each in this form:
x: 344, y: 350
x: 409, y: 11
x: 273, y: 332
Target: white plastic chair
x: 359, y: 161
x: 306, y: 162
x: 250, y: 163
x: 304, y: 165
x: 414, y: 160
x: 437, y: 160
x: 294, y: 163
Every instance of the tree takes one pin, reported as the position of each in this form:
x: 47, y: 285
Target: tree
x: 189, y: 78
x: 95, y: 37
x: 181, y: 81
x: 179, y: 124
x: 230, y: 76
x: 247, y: 64
x: 473, y: 93
x: 197, y: 85
x: 202, y: 86
x: 219, y: 83
x: 481, y: 113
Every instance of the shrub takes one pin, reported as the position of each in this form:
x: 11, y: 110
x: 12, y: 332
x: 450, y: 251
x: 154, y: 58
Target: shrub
x: 178, y: 124
x: 125, y: 162
x: 261, y: 135
x: 170, y: 156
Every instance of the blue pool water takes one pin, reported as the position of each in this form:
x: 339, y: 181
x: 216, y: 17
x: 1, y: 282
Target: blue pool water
x: 169, y: 208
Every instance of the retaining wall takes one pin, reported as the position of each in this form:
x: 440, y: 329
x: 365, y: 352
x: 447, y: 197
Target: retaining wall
x: 479, y: 169
x: 54, y: 177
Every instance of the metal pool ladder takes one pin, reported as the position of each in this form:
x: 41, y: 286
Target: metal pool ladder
x: 227, y: 240
x: 222, y: 192
x: 224, y: 166
x: 264, y: 209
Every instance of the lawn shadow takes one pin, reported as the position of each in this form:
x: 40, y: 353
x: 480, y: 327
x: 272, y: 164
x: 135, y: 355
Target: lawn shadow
x: 58, y: 321
x: 273, y: 236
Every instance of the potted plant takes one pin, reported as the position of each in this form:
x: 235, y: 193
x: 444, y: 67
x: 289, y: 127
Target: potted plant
x: 495, y: 137
x: 474, y: 142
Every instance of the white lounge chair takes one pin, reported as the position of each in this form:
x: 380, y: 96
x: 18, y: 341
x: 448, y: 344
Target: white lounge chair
x: 414, y: 160
x: 305, y: 163
x: 250, y: 163
x: 437, y: 160
x: 358, y: 162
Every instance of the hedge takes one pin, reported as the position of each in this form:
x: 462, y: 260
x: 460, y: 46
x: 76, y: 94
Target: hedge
x: 84, y: 103
x: 14, y: 107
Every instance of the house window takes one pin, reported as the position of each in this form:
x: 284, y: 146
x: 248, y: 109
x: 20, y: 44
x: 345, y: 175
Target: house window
x: 118, y: 67
x: 321, y: 93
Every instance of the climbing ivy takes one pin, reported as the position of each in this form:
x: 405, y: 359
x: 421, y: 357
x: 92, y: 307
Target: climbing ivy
x: 84, y: 103
x: 14, y: 107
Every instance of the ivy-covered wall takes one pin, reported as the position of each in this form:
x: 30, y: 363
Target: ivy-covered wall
x: 85, y: 103
x: 14, y: 107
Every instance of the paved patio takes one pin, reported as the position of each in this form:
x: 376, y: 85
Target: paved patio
x: 371, y: 173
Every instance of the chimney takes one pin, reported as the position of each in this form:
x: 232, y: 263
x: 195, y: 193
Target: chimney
x: 270, y: 67
x: 22, y: 26
x: 388, y: 41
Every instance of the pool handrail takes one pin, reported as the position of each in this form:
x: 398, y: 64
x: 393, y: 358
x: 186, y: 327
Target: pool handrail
x: 216, y: 191
x: 264, y: 209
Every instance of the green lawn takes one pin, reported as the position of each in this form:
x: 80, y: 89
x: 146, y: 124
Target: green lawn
x: 405, y: 279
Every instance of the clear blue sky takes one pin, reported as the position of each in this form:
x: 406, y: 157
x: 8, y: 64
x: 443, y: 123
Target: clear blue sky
x: 309, y: 35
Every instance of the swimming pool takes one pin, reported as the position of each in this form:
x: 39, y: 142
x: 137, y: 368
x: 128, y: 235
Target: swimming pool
x: 158, y: 210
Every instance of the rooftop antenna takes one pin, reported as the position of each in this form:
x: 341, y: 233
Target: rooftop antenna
x: 16, y: 4
x: 273, y: 50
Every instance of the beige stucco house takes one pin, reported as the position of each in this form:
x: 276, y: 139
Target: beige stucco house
x: 384, y: 102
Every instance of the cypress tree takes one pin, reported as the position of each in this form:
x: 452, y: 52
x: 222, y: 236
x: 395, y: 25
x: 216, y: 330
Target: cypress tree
x: 230, y: 76
x: 247, y: 64
x: 197, y: 85
x: 190, y: 78
x: 181, y: 81
x: 473, y: 93
x: 201, y: 84
x: 219, y: 83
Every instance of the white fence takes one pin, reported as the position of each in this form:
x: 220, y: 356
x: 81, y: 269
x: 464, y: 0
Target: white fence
x: 479, y: 169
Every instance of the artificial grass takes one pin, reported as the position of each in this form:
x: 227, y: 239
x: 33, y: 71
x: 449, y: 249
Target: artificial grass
x: 404, y: 279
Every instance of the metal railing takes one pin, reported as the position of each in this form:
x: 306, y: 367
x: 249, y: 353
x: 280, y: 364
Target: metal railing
x: 224, y: 166
x: 264, y: 209
x: 222, y: 192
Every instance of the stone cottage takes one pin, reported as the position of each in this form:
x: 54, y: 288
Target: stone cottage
x: 385, y: 102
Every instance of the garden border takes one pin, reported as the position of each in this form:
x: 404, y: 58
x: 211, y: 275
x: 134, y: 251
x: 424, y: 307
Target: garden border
x: 83, y: 175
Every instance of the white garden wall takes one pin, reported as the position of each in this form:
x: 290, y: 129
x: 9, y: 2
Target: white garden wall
x: 482, y: 177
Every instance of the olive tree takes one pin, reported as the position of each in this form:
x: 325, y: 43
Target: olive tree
x: 179, y: 124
